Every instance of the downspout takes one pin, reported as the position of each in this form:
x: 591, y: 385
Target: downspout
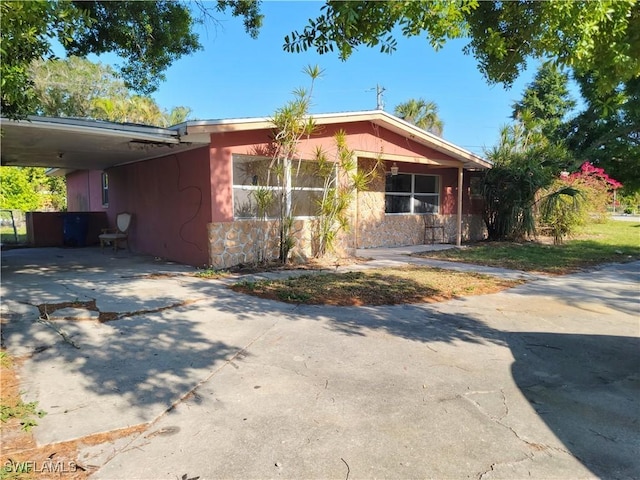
x: 459, y: 219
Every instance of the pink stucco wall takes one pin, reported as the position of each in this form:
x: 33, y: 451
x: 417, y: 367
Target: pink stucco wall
x: 221, y: 176
x: 84, y: 191
x: 363, y: 137
x: 168, y: 198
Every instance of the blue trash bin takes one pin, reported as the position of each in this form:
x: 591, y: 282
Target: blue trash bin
x: 75, y: 228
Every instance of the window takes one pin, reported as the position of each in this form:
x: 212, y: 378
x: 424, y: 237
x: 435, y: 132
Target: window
x: 105, y: 189
x: 250, y: 174
x: 475, y: 187
x: 412, y: 193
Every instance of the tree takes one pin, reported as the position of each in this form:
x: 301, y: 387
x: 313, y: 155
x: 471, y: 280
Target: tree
x: 280, y: 186
x: 545, y: 102
x: 76, y: 87
x: 16, y: 192
x: 149, y: 36
x: 602, y: 37
x: 25, y: 38
x: 562, y: 214
x: 29, y: 188
x: 292, y: 123
x: 607, y: 131
x: 342, y: 179
x: 421, y: 113
x: 573, y: 199
x: 70, y: 87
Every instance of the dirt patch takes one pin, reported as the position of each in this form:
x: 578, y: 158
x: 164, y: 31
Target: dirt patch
x: 387, y: 286
x: 313, y: 264
x: 154, y: 276
x: 46, y: 309
x: 12, y: 432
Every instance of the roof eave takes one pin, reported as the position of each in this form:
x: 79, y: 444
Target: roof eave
x: 379, y: 117
x: 70, y: 125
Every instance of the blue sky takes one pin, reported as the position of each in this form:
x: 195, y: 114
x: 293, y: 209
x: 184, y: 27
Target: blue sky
x: 237, y: 76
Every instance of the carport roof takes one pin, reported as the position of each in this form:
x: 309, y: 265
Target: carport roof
x: 80, y: 144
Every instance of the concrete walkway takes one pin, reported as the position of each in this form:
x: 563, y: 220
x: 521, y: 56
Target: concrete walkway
x: 541, y: 380
x: 383, y: 257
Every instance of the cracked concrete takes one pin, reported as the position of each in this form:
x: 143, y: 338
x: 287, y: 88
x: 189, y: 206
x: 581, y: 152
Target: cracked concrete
x: 541, y: 380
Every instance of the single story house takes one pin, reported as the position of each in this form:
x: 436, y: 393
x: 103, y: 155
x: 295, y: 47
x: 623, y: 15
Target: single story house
x: 189, y: 187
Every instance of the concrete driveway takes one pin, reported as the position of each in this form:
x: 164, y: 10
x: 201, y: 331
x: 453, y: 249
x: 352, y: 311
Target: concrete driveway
x: 539, y: 381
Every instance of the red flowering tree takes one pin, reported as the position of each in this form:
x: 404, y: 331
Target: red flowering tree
x: 597, y: 187
x: 574, y: 198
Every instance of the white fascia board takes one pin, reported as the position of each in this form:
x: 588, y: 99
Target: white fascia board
x: 56, y: 172
x: 114, y: 130
x: 378, y: 117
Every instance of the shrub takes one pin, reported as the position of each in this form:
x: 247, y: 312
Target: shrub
x: 562, y: 210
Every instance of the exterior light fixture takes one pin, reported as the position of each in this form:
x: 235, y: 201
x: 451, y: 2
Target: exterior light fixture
x: 394, y: 169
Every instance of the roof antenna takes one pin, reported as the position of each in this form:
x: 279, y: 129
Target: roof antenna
x: 379, y: 100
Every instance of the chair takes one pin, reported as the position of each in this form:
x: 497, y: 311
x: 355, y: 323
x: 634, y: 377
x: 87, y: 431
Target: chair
x: 118, y: 234
x: 431, y: 225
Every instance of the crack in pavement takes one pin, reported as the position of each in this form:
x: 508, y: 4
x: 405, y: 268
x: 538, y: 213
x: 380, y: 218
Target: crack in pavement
x: 493, y: 466
x: 499, y: 420
x: 105, y: 317
x: 239, y: 355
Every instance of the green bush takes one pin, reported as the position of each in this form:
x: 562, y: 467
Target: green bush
x: 563, y: 211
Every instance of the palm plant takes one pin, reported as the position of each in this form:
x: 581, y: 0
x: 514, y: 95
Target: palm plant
x: 421, y: 113
x: 524, y: 164
x: 292, y: 123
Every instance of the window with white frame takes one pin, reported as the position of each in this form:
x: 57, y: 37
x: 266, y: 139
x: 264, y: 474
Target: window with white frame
x: 253, y: 174
x: 105, y: 189
x: 412, y: 193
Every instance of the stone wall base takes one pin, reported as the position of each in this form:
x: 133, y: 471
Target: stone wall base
x: 403, y: 230
x: 253, y: 241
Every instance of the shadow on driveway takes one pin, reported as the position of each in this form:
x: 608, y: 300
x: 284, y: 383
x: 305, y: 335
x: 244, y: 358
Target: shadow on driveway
x: 573, y: 362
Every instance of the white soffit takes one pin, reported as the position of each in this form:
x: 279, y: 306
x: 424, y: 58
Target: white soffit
x: 75, y: 144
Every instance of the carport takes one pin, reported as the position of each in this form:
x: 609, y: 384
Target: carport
x: 67, y: 145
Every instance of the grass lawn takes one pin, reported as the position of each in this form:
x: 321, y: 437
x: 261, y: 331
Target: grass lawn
x: 7, y: 235
x: 613, y: 241
x: 376, y: 287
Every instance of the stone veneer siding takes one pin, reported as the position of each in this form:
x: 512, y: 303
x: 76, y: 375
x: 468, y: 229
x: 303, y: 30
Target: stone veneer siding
x: 250, y: 241
x: 402, y: 230
x: 376, y: 229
